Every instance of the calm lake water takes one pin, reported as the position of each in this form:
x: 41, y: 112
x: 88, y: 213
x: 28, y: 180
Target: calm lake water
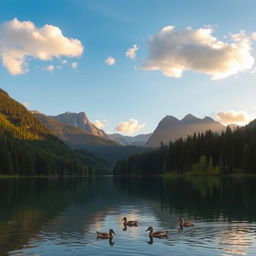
x: 51, y: 217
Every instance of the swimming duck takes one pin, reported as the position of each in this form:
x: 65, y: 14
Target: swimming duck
x: 158, y: 234
x: 105, y: 234
x: 184, y: 223
x: 130, y: 222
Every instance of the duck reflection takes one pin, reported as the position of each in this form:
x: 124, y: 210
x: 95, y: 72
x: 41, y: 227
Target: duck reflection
x: 151, y: 240
x: 124, y: 227
x: 110, y: 241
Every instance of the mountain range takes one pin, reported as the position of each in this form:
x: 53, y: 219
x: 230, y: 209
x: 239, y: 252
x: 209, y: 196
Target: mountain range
x: 75, y: 130
x: 170, y: 128
x: 34, y: 143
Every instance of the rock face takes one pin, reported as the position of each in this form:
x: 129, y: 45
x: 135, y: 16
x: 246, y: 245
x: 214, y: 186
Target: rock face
x: 73, y: 136
x: 170, y: 128
x: 139, y: 140
x: 81, y: 121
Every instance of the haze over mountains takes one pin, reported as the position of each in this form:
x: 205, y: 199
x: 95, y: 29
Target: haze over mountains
x: 170, y: 128
x: 139, y: 140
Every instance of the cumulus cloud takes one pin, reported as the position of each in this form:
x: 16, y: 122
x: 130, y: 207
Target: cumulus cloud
x: 26, y: 104
x: 233, y: 117
x: 74, y: 65
x: 129, y: 127
x: 131, y: 52
x: 110, y: 61
x: 20, y: 40
x: 50, y: 68
x: 173, y: 52
x: 100, y: 124
x: 253, y: 35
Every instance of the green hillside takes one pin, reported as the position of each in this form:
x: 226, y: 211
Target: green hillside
x: 29, y: 148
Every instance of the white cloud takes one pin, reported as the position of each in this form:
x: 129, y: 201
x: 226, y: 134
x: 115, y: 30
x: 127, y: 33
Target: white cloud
x: 110, y: 61
x: 131, y: 52
x: 74, y: 65
x: 22, y: 39
x: 26, y: 104
x: 173, y: 52
x: 129, y: 127
x: 100, y: 124
x: 254, y: 35
x: 50, y: 68
x: 233, y: 117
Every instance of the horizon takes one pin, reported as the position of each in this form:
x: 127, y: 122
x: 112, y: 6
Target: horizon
x: 106, y: 60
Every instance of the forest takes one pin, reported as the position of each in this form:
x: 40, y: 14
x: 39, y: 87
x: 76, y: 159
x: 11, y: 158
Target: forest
x: 209, y: 153
x: 29, y: 148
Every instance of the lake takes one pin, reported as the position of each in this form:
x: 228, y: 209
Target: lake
x: 45, y: 217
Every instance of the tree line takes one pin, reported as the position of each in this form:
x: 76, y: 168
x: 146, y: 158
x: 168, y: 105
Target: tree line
x: 232, y: 151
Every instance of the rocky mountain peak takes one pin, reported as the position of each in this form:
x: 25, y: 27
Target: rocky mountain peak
x: 81, y: 121
x: 189, y: 117
x: 208, y: 119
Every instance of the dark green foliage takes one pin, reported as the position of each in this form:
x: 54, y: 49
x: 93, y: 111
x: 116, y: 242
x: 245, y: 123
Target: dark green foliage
x: 112, y: 154
x: 208, y: 153
x: 29, y: 148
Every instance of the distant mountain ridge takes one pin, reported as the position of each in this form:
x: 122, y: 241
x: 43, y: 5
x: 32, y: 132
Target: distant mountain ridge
x: 72, y: 135
x: 170, y: 128
x: 139, y: 140
x: 81, y: 121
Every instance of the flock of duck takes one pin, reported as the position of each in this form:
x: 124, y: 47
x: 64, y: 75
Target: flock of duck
x: 152, y: 233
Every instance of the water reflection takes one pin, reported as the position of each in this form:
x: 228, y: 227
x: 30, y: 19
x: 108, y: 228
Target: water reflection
x: 39, y: 216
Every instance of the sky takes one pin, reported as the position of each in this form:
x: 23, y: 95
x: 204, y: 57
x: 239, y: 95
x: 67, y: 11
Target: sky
x: 129, y: 63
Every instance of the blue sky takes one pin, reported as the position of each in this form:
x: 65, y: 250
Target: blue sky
x: 125, y: 91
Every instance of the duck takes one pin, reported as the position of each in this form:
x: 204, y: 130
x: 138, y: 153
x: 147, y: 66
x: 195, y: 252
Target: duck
x: 105, y: 234
x: 158, y: 234
x: 131, y: 223
x: 184, y: 223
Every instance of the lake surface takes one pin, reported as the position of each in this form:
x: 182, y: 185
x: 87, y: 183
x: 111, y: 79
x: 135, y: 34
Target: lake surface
x: 51, y: 217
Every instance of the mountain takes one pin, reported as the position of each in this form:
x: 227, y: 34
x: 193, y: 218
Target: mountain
x: 209, y: 153
x: 29, y: 148
x: 71, y: 135
x: 170, y: 128
x: 252, y: 124
x: 81, y: 121
x: 139, y: 140
x: 80, y: 139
